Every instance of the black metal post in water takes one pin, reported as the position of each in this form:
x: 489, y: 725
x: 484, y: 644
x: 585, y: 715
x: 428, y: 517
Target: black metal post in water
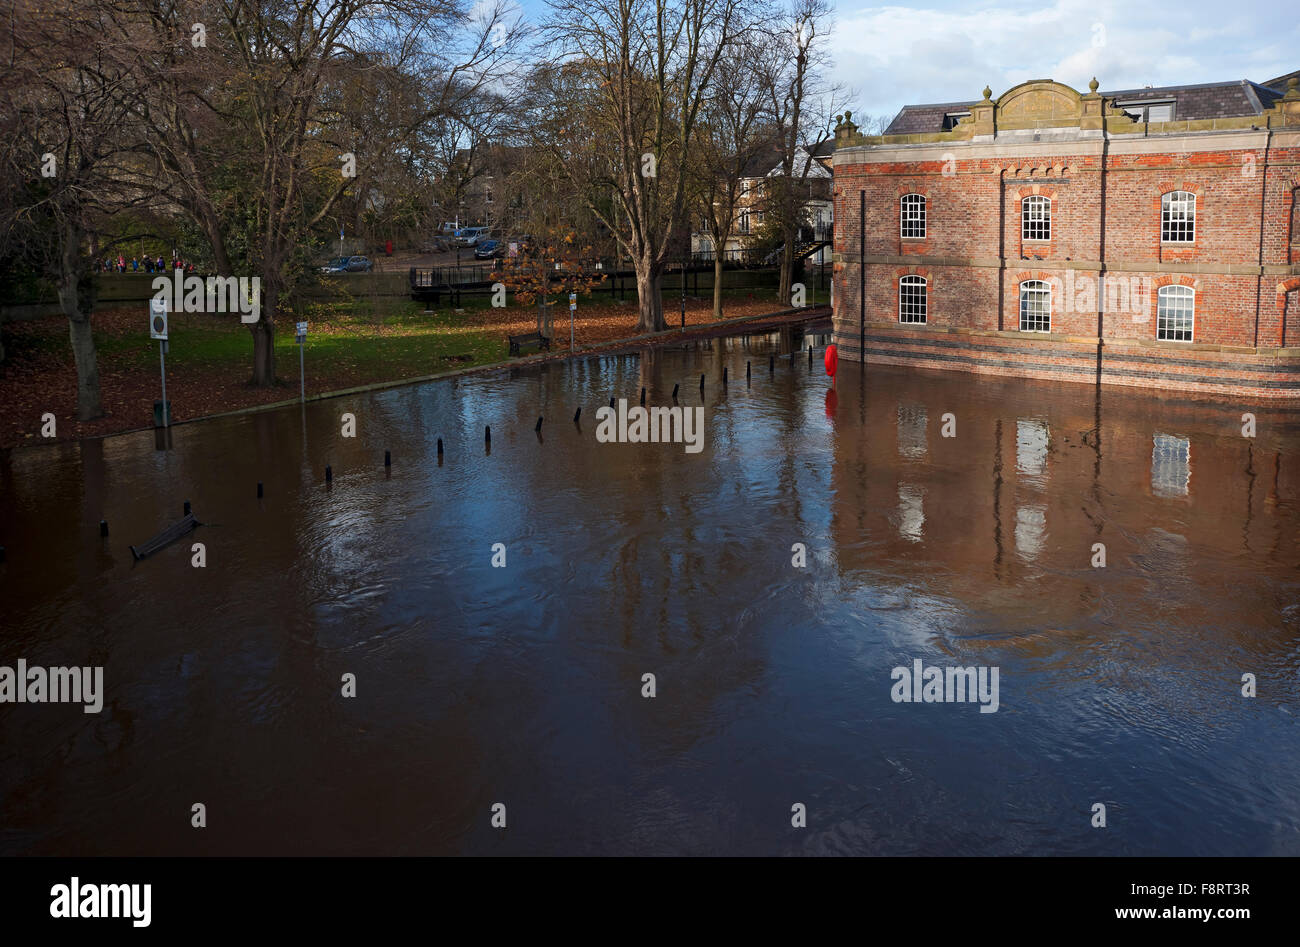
x: 771, y: 364
x: 701, y: 382
x: 440, y: 447
x: 577, y: 414
x: 538, y: 429
x: 643, y: 395
x: 674, y: 392
x: 487, y: 435
x: 329, y: 474
x: 103, y: 527
x: 746, y: 370
x: 388, y: 459
x: 259, y: 489
x: 724, y: 376
x: 187, y: 507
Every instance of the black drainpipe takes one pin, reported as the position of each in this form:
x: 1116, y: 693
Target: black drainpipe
x: 1101, y: 245
x: 862, y: 278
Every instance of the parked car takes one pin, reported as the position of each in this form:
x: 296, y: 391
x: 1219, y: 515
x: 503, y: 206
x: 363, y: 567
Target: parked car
x: 359, y: 264
x: 337, y: 265
x: 468, y: 236
x: 489, y: 248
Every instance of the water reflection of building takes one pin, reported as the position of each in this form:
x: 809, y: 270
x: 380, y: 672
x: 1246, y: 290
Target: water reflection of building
x: 1021, y: 496
x: 1171, y: 465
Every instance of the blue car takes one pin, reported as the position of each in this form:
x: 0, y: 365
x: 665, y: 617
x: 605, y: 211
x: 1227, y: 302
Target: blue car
x: 487, y: 249
x: 348, y: 264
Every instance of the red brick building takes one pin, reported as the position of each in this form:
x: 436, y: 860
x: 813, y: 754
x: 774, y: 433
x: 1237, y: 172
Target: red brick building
x: 1148, y: 237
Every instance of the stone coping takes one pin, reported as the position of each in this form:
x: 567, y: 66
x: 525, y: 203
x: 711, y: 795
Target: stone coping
x: 1043, y: 338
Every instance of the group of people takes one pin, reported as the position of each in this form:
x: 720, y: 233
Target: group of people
x: 136, y: 265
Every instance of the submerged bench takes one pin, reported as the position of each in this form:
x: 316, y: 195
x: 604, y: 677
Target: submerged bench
x: 531, y: 338
x: 169, y: 535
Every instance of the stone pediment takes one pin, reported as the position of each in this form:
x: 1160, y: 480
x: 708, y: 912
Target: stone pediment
x: 1040, y: 103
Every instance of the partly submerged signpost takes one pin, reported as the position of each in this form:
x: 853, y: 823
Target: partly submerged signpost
x: 301, y: 329
x: 158, y: 330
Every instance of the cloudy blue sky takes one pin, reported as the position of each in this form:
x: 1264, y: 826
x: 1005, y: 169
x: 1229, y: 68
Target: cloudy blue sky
x: 946, y: 50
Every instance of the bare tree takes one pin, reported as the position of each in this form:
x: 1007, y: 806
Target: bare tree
x: 265, y: 129
x: 801, y: 105
x: 732, y: 137
x: 69, y: 146
x: 617, y: 103
x: 875, y: 124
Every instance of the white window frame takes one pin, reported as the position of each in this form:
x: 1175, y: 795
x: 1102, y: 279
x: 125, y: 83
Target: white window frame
x: 1178, y: 229
x: 912, y: 280
x: 1029, y: 222
x: 1035, y: 288
x: 916, y: 204
x: 1141, y: 111
x: 1181, y: 293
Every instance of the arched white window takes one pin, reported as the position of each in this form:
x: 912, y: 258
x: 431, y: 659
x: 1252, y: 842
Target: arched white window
x: 1035, y: 306
x: 912, y: 215
x: 1175, y: 313
x: 911, y: 299
x: 1036, y: 218
x: 1178, y: 217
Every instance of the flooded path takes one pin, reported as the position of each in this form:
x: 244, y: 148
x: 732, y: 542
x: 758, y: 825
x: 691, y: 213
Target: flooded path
x: 523, y: 684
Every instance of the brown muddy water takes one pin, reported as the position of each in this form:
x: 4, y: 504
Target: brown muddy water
x: 774, y: 685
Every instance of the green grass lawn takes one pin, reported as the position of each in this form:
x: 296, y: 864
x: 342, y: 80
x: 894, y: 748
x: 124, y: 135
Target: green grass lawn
x: 361, y: 338
x: 387, y: 337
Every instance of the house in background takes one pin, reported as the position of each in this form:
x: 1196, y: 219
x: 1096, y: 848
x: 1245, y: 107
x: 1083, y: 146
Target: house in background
x: 819, y: 206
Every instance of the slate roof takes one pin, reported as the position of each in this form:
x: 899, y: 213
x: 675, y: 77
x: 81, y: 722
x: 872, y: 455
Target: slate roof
x: 769, y: 157
x: 1207, y: 100
x: 1280, y: 82
x: 918, y: 119
x: 1240, y: 97
x: 824, y: 149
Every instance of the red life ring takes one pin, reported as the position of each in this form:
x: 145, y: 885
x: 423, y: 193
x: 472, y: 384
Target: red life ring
x: 831, y: 360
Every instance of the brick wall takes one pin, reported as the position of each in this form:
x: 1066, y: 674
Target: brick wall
x: 974, y: 258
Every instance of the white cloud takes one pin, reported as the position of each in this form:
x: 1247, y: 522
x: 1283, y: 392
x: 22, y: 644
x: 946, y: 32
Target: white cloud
x: 893, y: 55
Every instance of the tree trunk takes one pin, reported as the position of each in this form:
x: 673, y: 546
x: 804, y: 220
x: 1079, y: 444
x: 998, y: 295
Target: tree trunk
x: 89, y: 405
x: 650, y: 300
x: 717, y: 287
x: 787, y: 269
x: 264, y: 339
x: 76, y: 299
x: 211, y: 226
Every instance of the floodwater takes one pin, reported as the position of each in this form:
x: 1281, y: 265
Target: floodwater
x: 522, y: 685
